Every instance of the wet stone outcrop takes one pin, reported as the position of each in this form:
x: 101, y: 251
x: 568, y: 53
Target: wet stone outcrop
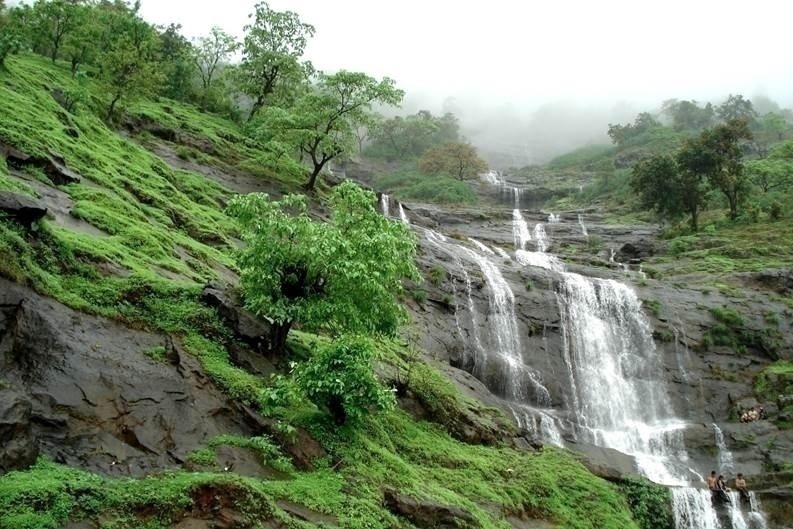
x: 20, y: 208
x: 53, y: 164
x: 428, y: 514
x: 82, y: 390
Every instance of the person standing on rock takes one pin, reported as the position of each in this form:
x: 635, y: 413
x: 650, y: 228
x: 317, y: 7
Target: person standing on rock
x: 713, y: 482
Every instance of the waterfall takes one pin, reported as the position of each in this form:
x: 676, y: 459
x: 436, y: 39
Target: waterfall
x: 724, y: 456
x: 500, y: 252
x: 402, y: 215
x: 541, y: 237
x: 583, y: 226
x: 481, y: 247
x: 520, y: 229
x: 384, y: 205
x: 554, y: 219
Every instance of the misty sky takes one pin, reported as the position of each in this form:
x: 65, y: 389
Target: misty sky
x: 501, y: 60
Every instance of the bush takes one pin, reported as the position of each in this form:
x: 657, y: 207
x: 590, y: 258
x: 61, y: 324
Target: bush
x: 650, y: 503
x: 408, y: 184
x: 776, y: 210
x: 340, y: 379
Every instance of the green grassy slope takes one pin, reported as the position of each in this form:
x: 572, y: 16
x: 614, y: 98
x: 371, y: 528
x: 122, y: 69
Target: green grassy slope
x: 142, y: 239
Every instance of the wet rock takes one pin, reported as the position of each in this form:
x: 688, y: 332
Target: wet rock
x: 247, y: 327
x: 301, y: 448
x: 53, y: 164
x: 19, y: 446
x: 20, y: 208
x: 428, y: 514
x: 636, y: 251
x: 605, y: 462
x: 302, y: 512
x: 96, y: 400
x: 776, y: 280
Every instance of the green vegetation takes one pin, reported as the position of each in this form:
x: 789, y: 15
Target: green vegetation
x: 340, y: 379
x: 731, y: 331
x: 406, y: 138
x: 340, y: 276
x: 455, y: 160
x: 774, y: 380
x: 649, y: 503
x: 409, y: 184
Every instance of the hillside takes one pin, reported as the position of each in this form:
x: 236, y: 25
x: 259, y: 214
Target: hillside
x: 127, y: 398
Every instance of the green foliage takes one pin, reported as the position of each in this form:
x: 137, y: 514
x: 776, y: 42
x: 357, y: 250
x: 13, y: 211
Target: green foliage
x: 688, y: 115
x: 11, y: 37
x: 776, y: 379
x: 269, y: 453
x: 735, y: 107
x: 211, y: 52
x: 271, y: 52
x: 322, y: 122
x: 731, y: 331
x: 651, y: 504
x: 408, y: 184
x: 583, y: 157
x: 156, y: 353
x: 455, y: 160
x: 668, y: 186
x: 437, y: 275
x: 404, y: 138
x: 340, y: 378
x: 644, y: 122
x: 340, y: 276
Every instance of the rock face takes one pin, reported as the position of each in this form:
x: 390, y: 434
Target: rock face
x: 19, y: 446
x: 53, y: 164
x: 81, y: 389
x: 20, y: 208
x: 253, y: 331
x: 427, y: 514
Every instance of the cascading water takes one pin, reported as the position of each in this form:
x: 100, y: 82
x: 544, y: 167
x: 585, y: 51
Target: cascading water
x: 520, y: 229
x: 583, y: 226
x: 554, y: 219
x: 723, y: 455
x: 402, y: 215
x: 541, y: 237
x: 384, y: 205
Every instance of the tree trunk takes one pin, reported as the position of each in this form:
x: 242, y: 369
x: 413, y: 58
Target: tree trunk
x: 278, y: 336
x: 732, y: 198
x: 312, y: 180
x: 112, y: 107
x: 694, y: 220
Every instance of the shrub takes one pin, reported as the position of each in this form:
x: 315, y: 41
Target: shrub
x: 340, y: 379
x: 776, y: 210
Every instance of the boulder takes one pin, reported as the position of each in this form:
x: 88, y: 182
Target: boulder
x: 635, y: 252
x: 775, y: 280
x: 607, y: 463
x: 20, y: 208
x: 427, y: 514
x: 253, y: 331
x: 19, y: 447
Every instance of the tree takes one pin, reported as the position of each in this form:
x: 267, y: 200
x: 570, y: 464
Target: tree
x: 775, y: 126
x: 644, y: 122
x: 406, y: 137
x: 717, y: 155
x: 341, y: 379
x: 54, y: 20
x: 688, y: 115
x: 271, y: 52
x: 175, y: 55
x: 770, y: 174
x: 663, y: 185
x: 342, y: 276
x: 321, y: 124
x: 211, y: 51
x: 128, y: 67
x: 79, y: 45
x: 458, y: 160
x: 736, y: 108
x: 11, y: 39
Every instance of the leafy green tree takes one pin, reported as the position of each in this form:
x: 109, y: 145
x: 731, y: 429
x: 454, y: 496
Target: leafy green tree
x: 342, y: 276
x: 79, y: 45
x: 53, y: 21
x: 341, y: 379
x: 775, y: 126
x: 129, y: 68
x: 770, y: 174
x: 175, y: 55
x: 717, y: 155
x: 644, y: 122
x: 458, y: 160
x: 211, y: 52
x: 11, y: 38
x: 271, y: 52
x: 671, y: 191
x: 688, y: 115
x: 736, y: 108
x: 321, y: 125
x: 401, y: 138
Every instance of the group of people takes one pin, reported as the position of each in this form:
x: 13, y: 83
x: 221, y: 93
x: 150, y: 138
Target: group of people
x: 718, y: 487
x: 754, y: 414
